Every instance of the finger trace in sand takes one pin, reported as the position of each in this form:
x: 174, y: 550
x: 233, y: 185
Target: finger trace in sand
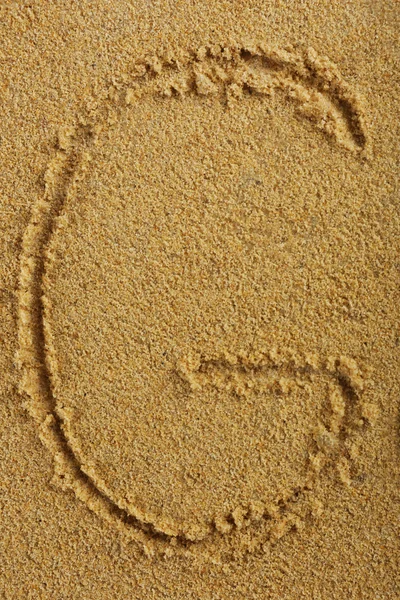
x: 257, y: 389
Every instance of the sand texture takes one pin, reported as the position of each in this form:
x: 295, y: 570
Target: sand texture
x: 200, y: 300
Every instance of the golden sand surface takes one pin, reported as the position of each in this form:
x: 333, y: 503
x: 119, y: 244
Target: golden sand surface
x: 200, y: 300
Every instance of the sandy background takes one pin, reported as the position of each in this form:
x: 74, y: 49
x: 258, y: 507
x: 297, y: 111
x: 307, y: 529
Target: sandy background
x: 52, y: 56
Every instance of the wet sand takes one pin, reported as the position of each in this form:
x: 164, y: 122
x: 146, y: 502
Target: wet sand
x: 200, y: 291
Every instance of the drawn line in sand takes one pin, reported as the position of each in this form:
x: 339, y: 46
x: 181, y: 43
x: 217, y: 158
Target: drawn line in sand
x: 321, y: 95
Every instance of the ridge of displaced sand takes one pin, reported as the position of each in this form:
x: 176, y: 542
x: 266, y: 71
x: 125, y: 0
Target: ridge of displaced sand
x: 316, y: 88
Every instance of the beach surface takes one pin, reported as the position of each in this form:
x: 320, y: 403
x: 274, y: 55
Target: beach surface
x: 199, y: 299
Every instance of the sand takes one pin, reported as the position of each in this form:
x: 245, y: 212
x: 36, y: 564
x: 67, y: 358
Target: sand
x: 199, y: 298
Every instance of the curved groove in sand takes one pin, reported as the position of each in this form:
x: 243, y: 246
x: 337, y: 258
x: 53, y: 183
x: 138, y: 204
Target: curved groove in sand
x: 321, y: 94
